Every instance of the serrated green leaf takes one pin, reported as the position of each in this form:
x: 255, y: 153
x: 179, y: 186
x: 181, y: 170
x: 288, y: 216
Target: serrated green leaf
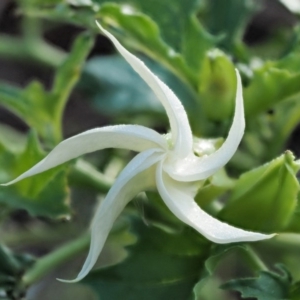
x: 159, y: 266
x: 43, y: 195
x: 40, y: 109
x: 268, y: 286
x: 265, y: 198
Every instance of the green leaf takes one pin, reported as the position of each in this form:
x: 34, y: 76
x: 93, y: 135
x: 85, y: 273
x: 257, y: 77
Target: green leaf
x: 159, y: 266
x: 268, y: 286
x: 40, y: 109
x: 265, y: 198
x: 45, y: 194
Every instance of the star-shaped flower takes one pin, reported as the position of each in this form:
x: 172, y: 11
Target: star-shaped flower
x: 166, y: 162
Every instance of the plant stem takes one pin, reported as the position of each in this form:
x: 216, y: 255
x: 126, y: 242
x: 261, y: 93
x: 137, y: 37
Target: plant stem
x: 37, y: 51
x: 50, y: 261
x: 254, y: 260
x: 83, y: 174
x: 290, y: 241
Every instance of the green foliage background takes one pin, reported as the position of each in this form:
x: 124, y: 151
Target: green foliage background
x: 194, y: 46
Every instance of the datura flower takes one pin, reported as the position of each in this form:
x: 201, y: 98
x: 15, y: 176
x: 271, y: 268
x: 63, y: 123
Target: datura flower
x: 166, y: 162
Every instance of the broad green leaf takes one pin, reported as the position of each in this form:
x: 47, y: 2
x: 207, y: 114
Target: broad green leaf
x: 44, y: 194
x: 115, y: 87
x: 268, y: 286
x: 40, y: 109
x: 265, y: 198
x: 159, y: 266
x: 217, y: 86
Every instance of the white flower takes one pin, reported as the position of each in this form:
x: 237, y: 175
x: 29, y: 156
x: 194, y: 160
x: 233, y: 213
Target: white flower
x: 166, y: 162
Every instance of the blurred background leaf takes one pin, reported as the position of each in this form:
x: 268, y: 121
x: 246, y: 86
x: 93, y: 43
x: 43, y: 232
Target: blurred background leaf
x: 44, y: 195
x: 152, y: 269
x: 273, y: 188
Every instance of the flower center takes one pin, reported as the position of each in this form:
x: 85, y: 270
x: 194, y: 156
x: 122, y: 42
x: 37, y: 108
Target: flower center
x: 168, y: 137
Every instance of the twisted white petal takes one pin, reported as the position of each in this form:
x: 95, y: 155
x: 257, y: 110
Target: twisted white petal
x: 137, y: 176
x: 194, y: 168
x: 180, y: 128
x: 132, y: 137
x: 178, y: 197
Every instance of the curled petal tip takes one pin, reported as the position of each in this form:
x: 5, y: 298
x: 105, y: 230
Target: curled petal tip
x: 249, y: 236
x: 10, y: 182
x: 68, y: 281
